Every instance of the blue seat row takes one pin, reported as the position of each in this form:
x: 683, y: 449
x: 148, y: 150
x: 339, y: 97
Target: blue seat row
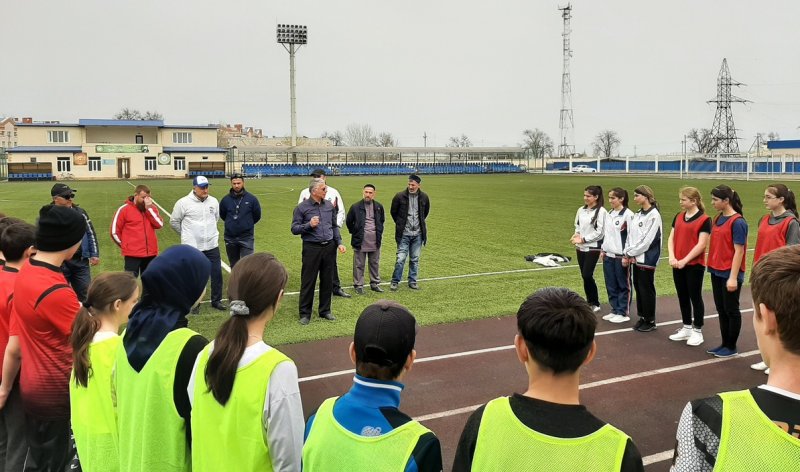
x: 207, y: 173
x: 377, y: 169
x: 33, y: 176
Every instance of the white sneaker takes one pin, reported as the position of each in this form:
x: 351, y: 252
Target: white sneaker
x: 620, y: 319
x: 595, y: 308
x: 759, y: 366
x: 609, y: 316
x: 682, y: 334
x: 767, y: 371
x: 696, y: 338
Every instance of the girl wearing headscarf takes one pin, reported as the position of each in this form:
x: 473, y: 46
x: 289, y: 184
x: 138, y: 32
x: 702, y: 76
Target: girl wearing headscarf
x: 246, y: 410
x: 154, y: 366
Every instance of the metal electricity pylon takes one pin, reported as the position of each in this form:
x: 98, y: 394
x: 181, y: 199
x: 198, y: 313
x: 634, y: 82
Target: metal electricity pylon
x: 723, y: 130
x: 566, y: 145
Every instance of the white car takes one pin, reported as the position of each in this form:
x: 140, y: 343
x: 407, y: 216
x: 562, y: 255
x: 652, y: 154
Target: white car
x: 583, y: 168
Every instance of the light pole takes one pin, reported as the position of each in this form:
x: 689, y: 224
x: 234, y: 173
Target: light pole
x: 292, y: 37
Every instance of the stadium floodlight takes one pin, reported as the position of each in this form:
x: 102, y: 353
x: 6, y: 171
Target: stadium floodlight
x: 292, y: 37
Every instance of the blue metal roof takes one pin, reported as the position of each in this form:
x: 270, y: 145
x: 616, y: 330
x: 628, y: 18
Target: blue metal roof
x: 45, y: 149
x: 194, y: 149
x: 191, y: 126
x: 49, y: 125
x: 128, y: 123
x: 786, y: 144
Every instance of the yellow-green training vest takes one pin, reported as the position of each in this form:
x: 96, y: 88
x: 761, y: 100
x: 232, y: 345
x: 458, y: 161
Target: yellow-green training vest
x: 92, y: 414
x: 505, y: 443
x: 232, y: 437
x: 331, y: 447
x: 152, y: 435
x: 750, y: 441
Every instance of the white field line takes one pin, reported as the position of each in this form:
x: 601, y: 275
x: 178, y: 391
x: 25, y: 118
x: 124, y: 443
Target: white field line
x: 624, y: 378
x: 485, y: 350
x: 658, y: 457
x: 164, y: 210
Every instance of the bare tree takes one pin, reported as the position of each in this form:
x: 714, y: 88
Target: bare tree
x: 459, y: 141
x: 773, y: 136
x: 701, y: 140
x: 359, y: 135
x: 336, y: 137
x: 605, y: 143
x: 223, y: 139
x: 386, y: 140
x: 133, y: 114
x: 538, y: 143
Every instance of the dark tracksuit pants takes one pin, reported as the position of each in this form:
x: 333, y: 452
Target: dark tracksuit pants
x: 727, y: 304
x: 318, y: 259
x: 689, y: 287
x: 645, y: 286
x: 587, y: 261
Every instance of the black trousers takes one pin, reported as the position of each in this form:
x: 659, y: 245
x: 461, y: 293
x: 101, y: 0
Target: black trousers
x: 318, y: 259
x: 50, y: 446
x: 587, y: 261
x: 644, y: 282
x: 137, y: 265
x: 216, y: 274
x: 237, y: 248
x: 689, y: 287
x: 727, y: 304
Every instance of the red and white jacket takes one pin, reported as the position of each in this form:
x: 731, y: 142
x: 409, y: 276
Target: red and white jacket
x: 134, y: 230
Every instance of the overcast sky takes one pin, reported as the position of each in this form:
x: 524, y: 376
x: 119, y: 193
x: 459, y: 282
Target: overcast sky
x: 446, y: 67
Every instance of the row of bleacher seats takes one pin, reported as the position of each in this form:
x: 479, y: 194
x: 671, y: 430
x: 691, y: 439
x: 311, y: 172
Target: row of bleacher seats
x: 207, y: 173
x: 39, y: 176
x: 378, y: 169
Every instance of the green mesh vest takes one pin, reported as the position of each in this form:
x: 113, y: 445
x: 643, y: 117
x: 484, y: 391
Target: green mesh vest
x: 505, y: 443
x: 232, y: 437
x: 152, y: 435
x: 750, y: 441
x: 94, y: 421
x: 331, y: 447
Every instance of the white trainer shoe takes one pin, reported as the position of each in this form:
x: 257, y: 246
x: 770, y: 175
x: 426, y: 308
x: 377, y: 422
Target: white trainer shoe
x: 759, y: 366
x: 767, y: 371
x: 609, y: 316
x: 696, y: 338
x: 595, y: 308
x: 620, y: 319
x: 682, y: 334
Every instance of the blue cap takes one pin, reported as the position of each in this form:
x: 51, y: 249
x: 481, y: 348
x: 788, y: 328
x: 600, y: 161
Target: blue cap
x: 200, y: 181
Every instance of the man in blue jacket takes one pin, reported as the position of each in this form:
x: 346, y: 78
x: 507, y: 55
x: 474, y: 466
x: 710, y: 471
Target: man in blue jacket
x: 241, y: 211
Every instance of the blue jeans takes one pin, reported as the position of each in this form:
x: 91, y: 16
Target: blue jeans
x: 618, y: 284
x: 78, y: 275
x: 408, y: 244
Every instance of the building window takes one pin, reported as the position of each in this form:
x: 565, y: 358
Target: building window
x: 139, y: 139
x: 64, y: 164
x: 33, y: 160
x: 150, y: 163
x: 94, y: 164
x: 3, y: 132
x: 205, y: 158
x: 182, y: 137
x: 180, y: 163
x: 58, y: 136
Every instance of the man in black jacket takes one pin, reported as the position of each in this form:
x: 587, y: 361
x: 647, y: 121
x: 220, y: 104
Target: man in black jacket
x: 241, y: 211
x: 410, y: 209
x: 365, y: 223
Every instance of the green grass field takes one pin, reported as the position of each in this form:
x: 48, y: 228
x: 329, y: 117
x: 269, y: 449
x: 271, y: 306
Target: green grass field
x: 478, y: 224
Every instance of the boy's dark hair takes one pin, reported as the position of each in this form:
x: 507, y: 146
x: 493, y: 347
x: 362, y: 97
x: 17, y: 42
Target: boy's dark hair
x: 558, y: 328
x: 371, y: 370
x: 15, y: 239
x: 775, y: 282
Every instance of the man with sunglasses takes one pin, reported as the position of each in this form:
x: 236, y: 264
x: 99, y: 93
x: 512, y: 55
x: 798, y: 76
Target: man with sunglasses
x: 241, y: 211
x: 76, y: 270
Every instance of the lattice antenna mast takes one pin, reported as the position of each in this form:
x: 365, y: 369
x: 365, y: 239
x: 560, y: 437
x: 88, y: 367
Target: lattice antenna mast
x: 723, y: 130
x: 566, y: 146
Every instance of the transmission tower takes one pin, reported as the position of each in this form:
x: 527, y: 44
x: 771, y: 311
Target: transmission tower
x: 566, y: 146
x: 724, y: 131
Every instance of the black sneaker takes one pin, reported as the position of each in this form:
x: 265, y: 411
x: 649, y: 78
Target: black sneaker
x: 638, y: 324
x: 647, y: 326
x: 304, y: 320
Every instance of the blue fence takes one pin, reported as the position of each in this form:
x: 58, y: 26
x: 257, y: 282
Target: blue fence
x: 697, y: 166
x: 380, y: 169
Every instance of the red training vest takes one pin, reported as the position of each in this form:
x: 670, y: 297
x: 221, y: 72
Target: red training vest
x: 720, y: 251
x: 770, y: 237
x: 687, y: 233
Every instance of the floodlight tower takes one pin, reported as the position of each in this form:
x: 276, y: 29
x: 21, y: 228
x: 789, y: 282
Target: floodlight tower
x: 566, y: 125
x: 723, y: 130
x: 292, y: 37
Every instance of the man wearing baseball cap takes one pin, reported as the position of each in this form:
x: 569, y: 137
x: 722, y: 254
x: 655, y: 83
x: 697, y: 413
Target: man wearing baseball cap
x: 76, y: 269
x: 364, y: 429
x: 195, y: 218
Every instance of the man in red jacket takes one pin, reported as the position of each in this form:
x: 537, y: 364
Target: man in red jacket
x: 134, y: 230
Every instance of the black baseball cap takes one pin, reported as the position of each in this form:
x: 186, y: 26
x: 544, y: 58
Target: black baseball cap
x: 318, y: 172
x: 61, y: 190
x: 385, y: 333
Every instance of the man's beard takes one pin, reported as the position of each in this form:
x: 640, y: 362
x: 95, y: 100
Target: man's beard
x: 140, y: 206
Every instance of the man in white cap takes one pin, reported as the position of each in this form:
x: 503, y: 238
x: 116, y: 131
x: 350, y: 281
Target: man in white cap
x: 195, y: 218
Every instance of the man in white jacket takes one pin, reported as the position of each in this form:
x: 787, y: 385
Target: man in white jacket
x: 195, y: 218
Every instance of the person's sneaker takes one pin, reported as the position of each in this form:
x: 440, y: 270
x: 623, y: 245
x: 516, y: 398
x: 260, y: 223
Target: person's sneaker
x: 696, y: 338
x: 595, y: 308
x: 219, y: 306
x: 759, y: 366
x: 609, y: 316
x: 328, y: 316
x: 639, y: 324
x: 620, y: 319
x: 767, y: 371
x: 393, y: 286
x: 304, y: 320
x: 714, y: 350
x: 195, y: 310
x: 413, y: 286
x: 681, y: 334
x: 647, y: 326
x: 725, y: 352
x: 359, y: 290
x: 376, y: 288
x: 341, y: 293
